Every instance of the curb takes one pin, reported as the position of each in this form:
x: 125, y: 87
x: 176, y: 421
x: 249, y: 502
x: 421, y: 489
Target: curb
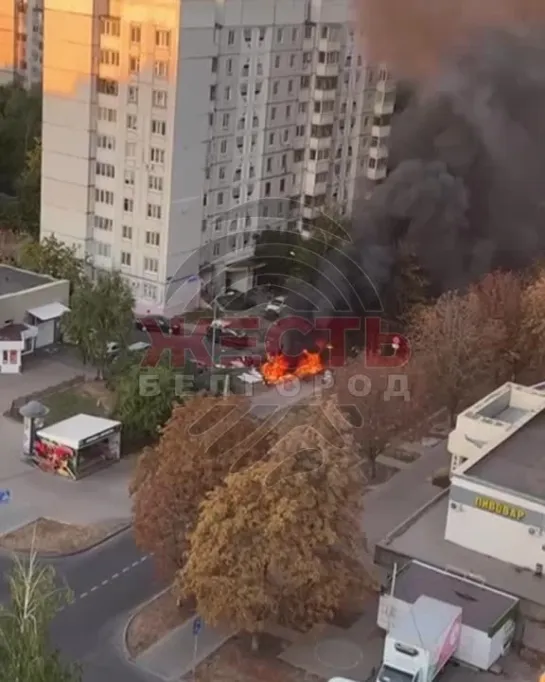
x: 75, y: 552
x: 127, y: 654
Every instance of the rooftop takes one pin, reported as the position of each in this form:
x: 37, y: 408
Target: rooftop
x: 518, y: 462
x: 76, y: 429
x: 14, y: 280
x: 422, y: 537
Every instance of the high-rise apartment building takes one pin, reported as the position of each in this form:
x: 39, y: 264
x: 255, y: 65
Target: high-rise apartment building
x: 173, y: 130
x: 21, y: 41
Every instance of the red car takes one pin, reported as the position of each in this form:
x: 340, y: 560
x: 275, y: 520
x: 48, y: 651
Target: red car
x: 158, y: 323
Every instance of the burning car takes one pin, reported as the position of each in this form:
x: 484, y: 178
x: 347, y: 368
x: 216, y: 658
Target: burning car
x: 278, y: 369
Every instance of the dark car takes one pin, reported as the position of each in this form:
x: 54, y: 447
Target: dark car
x: 226, y: 336
x: 158, y: 323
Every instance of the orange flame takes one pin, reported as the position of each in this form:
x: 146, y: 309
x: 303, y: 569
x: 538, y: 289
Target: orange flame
x: 277, y: 368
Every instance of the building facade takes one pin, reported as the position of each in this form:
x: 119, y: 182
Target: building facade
x: 173, y: 131
x: 21, y: 41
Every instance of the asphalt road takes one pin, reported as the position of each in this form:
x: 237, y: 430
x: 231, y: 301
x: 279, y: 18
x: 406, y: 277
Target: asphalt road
x: 108, y: 583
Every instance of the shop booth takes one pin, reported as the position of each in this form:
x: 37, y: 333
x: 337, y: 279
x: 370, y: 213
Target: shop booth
x: 78, y: 446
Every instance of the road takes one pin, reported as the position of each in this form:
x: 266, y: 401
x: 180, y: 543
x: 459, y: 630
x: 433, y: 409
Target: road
x: 108, y: 583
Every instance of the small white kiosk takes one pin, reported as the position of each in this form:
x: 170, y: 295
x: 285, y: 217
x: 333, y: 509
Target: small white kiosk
x: 77, y: 446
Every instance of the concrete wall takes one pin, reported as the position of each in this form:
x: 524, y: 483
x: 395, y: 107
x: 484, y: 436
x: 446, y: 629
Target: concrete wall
x: 14, y: 306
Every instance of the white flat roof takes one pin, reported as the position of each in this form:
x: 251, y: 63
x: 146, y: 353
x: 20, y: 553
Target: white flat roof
x: 74, y: 430
x: 49, y: 311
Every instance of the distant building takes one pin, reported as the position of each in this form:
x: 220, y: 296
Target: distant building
x: 172, y: 131
x: 21, y: 41
x: 31, y: 307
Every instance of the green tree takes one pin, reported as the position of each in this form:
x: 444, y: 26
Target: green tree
x: 29, y: 191
x: 54, y: 258
x: 101, y: 313
x: 25, y: 652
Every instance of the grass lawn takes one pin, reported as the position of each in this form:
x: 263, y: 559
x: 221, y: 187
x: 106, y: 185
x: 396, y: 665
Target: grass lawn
x: 70, y: 402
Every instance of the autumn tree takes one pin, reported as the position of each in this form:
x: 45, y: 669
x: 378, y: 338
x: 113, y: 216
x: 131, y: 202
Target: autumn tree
x: 455, y: 349
x: 282, y: 542
x: 54, y: 258
x: 532, y: 329
x: 204, y: 440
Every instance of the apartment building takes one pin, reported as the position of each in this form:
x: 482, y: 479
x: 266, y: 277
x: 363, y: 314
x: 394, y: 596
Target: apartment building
x: 21, y: 41
x: 173, y: 131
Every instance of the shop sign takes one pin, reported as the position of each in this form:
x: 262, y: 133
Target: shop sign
x: 509, y: 511
x: 97, y: 437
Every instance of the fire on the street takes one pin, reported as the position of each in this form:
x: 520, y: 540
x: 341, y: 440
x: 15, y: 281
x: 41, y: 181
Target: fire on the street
x: 277, y: 369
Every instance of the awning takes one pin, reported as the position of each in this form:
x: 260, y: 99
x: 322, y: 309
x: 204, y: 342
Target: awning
x: 49, y: 311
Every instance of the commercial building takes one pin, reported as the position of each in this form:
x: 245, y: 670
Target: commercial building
x: 489, y: 525
x: 31, y: 307
x: 173, y: 131
x: 21, y: 41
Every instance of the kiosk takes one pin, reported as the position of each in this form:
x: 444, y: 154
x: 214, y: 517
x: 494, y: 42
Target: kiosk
x: 77, y: 446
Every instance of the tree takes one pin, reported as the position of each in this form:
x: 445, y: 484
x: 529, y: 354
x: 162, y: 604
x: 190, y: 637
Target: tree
x: 25, y: 653
x: 101, y: 313
x: 203, y: 441
x: 454, y: 349
x: 54, y: 258
x: 281, y: 541
x: 28, y: 191
x: 532, y: 331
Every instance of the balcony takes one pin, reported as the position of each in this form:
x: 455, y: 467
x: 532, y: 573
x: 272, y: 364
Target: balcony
x: 386, y: 86
x: 329, y: 45
x: 327, y: 69
x: 323, y: 118
x: 384, y: 104
x: 319, y: 142
x: 239, y: 255
x: 378, y: 151
x: 381, y: 131
x: 377, y: 173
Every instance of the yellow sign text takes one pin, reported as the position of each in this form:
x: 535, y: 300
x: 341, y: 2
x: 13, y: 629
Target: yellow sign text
x: 500, y: 508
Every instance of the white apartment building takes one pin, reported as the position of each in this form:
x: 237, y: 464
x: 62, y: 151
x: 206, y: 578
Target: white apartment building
x: 21, y: 41
x: 173, y: 131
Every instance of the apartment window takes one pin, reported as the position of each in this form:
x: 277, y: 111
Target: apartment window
x: 162, y: 38
x: 279, y: 35
x: 107, y: 86
x: 130, y: 150
x: 106, y: 114
x: 292, y: 61
x: 271, y: 138
x: 288, y: 112
x: 160, y: 68
x: 151, y: 265
x: 300, y: 131
x: 305, y: 82
x: 223, y: 147
x: 103, y: 196
x: 298, y: 155
x: 258, y: 87
x: 102, y: 223
x: 159, y: 99
x: 128, y: 205
x: 273, y: 113
x: 269, y: 165
x: 158, y: 127
x: 212, y: 95
x: 227, y: 93
x: 303, y: 108
x: 308, y: 32
x: 324, y: 32
x: 290, y: 86
x: 105, y: 169
x: 155, y: 183
x: 267, y: 189
x: 106, y: 142
x: 245, y: 71
x: 221, y: 173
x: 214, y: 65
x: 129, y: 178
x: 229, y: 67
x: 126, y: 258
x: 152, y: 238
x: 132, y: 94
x: 109, y: 57
x: 126, y: 232
x: 244, y: 89
x: 110, y: 26
x: 132, y: 122
x: 150, y: 292
x: 219, y: 200
x: 282, y: 186
x: 294, y: 35
x: 102, y: 249
x: 154, y: 211
x: 216, y: 249
x: 136, y: 33
x: 262, y: 32
x: 157, y: 155
x: 248, y: 35
x: 134, y: 65
x: 255, y: 122
x: 277, y: 62
x: 225, y: 120
x: 231, y: 38
x: 275, y: 88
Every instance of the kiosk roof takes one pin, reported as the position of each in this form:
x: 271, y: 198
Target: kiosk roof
x: 77, y: 429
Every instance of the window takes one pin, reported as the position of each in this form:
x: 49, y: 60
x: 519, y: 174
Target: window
x: 136, y: 33
x: 130, y: 150
x: 279, y: 35
x: 109, y: 26
x: 225, y: 120
x: 212, y: 95
x: 106, y: 142
x: 103, y: 196
x: 262, y: 32
x: 290, y: 86
x: 228, y: 93
x: 286, y: 135
x: 221, y: 173
x: 154, y: 211
x: 229, y: 67
x: 132, y: 122
x: 160, y: 68
x: 105, y: 169
x: 288, y: 112
x: 102, y: 249
x: 159, y: 99
x: 151, y: 265
x: 155, y: 183
x: 152, y: 238
x: 275, y: 88
x: 271, y: 138
x: 223, y: 147
x: 269, y: 165
x: 132, y: 94
x: 102, y: 223
x: 267, y: 189
x: 150, y: 292
x: 324, y: 32
x: 126, y: 232
x: 292, y: 61
x: 107, y: 86
x: 308, y: 32
x: 277, y: 62
x: 105, y: 114
x: 305, y: 82
x: 219, y: 200
x: 126, y: 258
x: 214, y: 66
x: 134, y: 65
x: 129, y: 178
x: 158, y: 127
x: 216, y: 250
x: 128, y: 205
x: 109, y: 57
x: 231, y: 38
x: 273, y: 113
x: 162, y: 38
x: 294, y: 35
x: 248, y: 35
x: 157, y: 155
x: 282, y: 185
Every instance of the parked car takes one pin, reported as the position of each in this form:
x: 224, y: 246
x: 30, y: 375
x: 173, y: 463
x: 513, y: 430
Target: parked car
x: 114, y: 348
x: 227, y: 336
x: 158, y: 323
x: 275, y: 306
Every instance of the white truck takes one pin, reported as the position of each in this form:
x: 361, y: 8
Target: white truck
x: 422, y: 642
